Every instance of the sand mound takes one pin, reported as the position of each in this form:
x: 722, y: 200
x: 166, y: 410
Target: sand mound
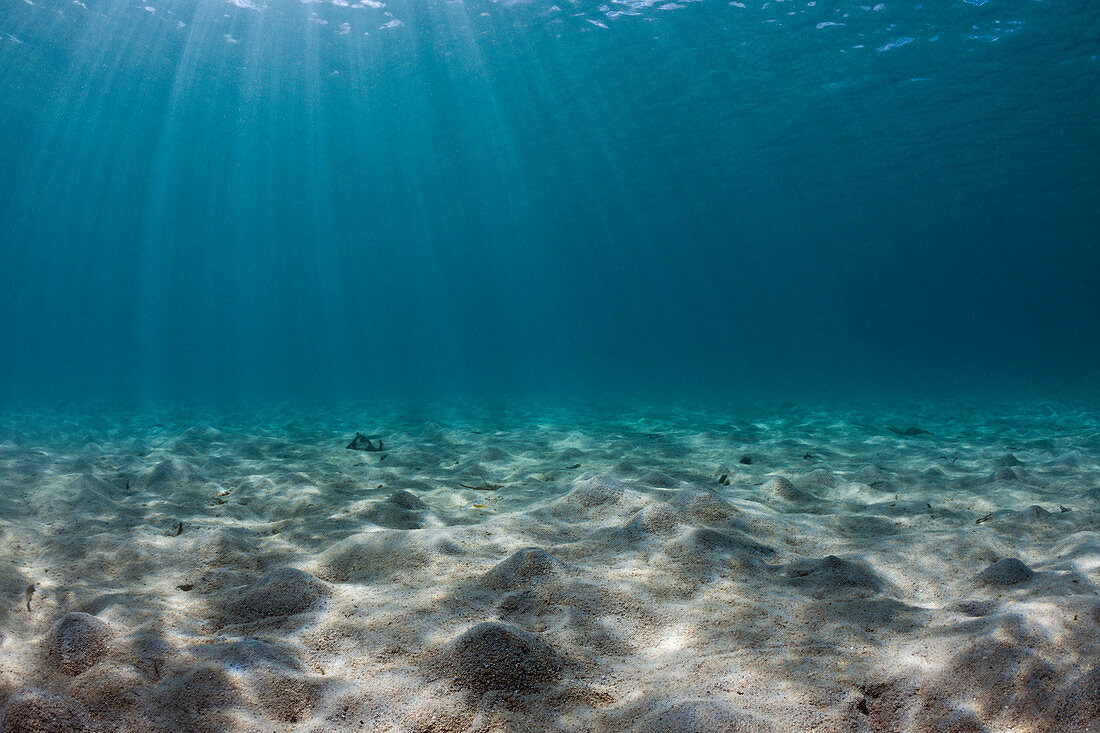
x: 713, y: 542
x: 280, y: 592
x: 13, y: 584
x: 818, y: 480
x: 202, y: 699
x: 30, y: 710
x: 702, y: 716
x: 526, y: 566
x: 401, y: 510
x: 781, y: 488
x: 841, y: 596
x: 592, y: 493
x: 1006, y: 473
x: 700, y: 555
x: 384, y: 554
x: 974, y: 608
x: 170, y: 472
x: 702, y: 505
x: 875, y: 478
x: 288, y: 698
x: 248, y: 654
x: 111, y: 692
x: 658, y: 518
x: 571, y: 454
x: 438, y: 716
x: 658, y: 480
x: 492, y: 454
x: 1077, y: 706
x: 832, y: 574
x: 496, y: 656
x: 1008, y: 571
x: 1005, y: 681
x: 235, y: 548
x: 76, y: 642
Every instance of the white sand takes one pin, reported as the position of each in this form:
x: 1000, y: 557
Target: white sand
x: 634, y: 575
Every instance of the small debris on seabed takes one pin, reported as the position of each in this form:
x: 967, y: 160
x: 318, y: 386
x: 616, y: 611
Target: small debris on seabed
x: 365, y: 443
x: 986, y: 518
x: 724, y: 480
x: 746, y: 460
x: 179, y: 529
x: 28, y: 593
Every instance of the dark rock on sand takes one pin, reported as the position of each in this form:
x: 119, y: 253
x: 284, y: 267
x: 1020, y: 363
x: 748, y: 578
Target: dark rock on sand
x: 1008, y: 571
x: 495, y: 656
x: 369, y: 443
x: 77, y: 641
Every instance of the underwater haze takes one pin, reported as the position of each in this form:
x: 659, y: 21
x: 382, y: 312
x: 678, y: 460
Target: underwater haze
x: 286, y: 199
x: 549, y: 366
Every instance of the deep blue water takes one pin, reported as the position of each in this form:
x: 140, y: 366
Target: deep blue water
x: 284, y: 199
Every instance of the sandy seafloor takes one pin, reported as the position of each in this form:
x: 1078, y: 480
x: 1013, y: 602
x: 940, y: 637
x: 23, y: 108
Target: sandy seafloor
x: 242, y: 571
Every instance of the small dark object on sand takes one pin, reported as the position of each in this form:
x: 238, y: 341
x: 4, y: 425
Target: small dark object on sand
x: 1064, y: 509
x: 807, y: 456
x: 364, y: 442
x: 909, y: 431
x: 724, y: 480
x: 746, y: 460
x: 986, y: 518
x: 179, y: 529
x: 28, y: 593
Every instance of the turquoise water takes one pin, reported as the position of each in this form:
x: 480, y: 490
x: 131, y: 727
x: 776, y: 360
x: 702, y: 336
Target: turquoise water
x: 321, y: 199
